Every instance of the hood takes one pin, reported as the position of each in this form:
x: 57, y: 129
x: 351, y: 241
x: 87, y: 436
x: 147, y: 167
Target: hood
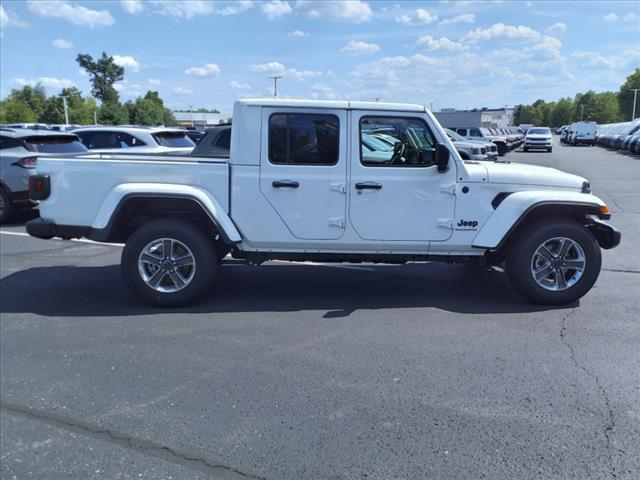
x: 521, y: 174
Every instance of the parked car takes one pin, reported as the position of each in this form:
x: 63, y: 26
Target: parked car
x: 483, y: 134
x: 472, y: 150
x: 216, y: 142
x: 104, y: 139
x: 19, y: 152
x: 294, y: 190
x: 195, y: 135
x: 538, y: 138
x: 582, y: 133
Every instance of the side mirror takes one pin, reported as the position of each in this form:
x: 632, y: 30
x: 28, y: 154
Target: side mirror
x: 441, y: 159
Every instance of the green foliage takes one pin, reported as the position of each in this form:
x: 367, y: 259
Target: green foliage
x: 625, y: 96
x: 168, y: 119
x: 35, y: 98
x: 562, y: 113
x: 53, y: 111
x: 103, y: 73
x: 16, y: 111
x: 113, y: 113
x: 529, y: 114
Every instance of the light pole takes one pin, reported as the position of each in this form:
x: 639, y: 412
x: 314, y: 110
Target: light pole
x: 66, y: 109
x: 191, y: 114
x: 581, y: 111
x: 635, y: 96
x: 275, y: 85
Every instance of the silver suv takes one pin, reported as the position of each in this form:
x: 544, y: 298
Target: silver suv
x: 19, y: 152
x: 135, y: 139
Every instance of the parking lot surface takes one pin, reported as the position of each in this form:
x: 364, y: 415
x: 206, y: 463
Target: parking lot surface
x: 298, y: 371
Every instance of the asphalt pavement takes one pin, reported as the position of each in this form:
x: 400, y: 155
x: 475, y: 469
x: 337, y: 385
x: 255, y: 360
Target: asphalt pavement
x: 298, y: 371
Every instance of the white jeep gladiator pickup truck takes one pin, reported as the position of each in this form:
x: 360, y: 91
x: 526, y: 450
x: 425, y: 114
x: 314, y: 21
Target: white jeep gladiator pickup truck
x: 300, y: 185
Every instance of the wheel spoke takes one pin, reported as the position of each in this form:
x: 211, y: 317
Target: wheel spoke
x: 156, y: 278
x: 565, y: 246
x: 542, y: 273
x: 167, y: 248
x: 545, y: 253
x: 177, y: 279
x: 574, y: 265
x: 561, y: 282
x: 184, y: 261
x: 151, y: 259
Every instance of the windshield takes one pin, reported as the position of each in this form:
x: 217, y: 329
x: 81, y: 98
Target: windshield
x: 455, y: 136
x: 54, y: 144
x: 173, y: 139
x: 539, y: 131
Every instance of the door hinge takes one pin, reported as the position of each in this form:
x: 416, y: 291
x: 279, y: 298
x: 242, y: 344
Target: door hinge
x: 338, y: 187
x: 450, y: 188
x: 445, y: 223
x: 337, y: 222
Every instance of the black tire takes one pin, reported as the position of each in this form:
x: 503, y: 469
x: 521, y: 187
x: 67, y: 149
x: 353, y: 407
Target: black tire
x: 521, y: 253
x: 7, y: 210
x: 525, y: 149
x: 502, y: 149
x: 549, y: 150
x: 204, y: 253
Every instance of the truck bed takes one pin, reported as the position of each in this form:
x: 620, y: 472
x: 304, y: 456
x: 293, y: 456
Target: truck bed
x: 82, y: 184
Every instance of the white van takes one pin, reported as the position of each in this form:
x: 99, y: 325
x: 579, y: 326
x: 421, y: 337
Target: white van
x: 583, y: 132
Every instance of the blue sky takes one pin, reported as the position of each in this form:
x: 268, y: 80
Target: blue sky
x: 207, y: 54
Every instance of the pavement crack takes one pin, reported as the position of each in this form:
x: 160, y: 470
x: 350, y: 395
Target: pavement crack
x: 139, y: 445
x: 620, y: 270
x: 610, y: 424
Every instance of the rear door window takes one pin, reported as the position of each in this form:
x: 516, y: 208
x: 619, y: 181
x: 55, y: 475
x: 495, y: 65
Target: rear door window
x: 224, y: 140
x: 303, y: 139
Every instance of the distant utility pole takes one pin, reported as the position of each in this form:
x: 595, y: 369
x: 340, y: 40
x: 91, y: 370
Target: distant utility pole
x: 581, y: 111
x: 191, y: 113
x: 66, y: 109
x: 275, y: 85
x: 95, y: 117
x: 635, y: 96
x: 431, y: 106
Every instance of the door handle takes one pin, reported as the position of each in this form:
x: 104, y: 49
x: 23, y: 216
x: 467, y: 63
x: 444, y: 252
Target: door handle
x: 368, y: 186
x: 285, y: 184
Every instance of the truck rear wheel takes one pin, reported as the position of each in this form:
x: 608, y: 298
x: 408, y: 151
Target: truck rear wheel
x: 554, y: 262
x: 6, y: 209
x: 169, y: 263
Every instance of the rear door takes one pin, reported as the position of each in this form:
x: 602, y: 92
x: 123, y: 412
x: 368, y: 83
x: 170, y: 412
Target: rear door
x: 303, y: 169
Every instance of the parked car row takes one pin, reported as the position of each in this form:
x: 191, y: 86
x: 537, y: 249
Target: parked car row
x: 505, y: 139
x: 625, y: 135
x: 578, y: 133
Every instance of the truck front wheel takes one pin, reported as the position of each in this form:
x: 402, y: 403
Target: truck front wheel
x: 169, y: 263
x: 554, y: 262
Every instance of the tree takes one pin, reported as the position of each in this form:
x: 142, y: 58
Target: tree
x: 53, y: 111
x: 529, y: 114
x: 113, y: 113
x: 563, y: 112
x: 168, y: 118
x: 16, y: 111
x: 625, y: 96
x: 607, y: 109
x: 34, y: 97
x: 103, y: 73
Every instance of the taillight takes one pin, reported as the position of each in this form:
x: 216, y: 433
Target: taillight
x: 39, y: 187
x: 27, y: 162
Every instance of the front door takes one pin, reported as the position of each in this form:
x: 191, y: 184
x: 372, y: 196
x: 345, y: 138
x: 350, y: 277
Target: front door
x: 395, y: 195
x: 303, y: 170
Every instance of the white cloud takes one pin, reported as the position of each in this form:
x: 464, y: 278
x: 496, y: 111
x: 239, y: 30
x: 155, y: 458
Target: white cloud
x: 206, y: 70
x: 631, y: 17
x: 127, y: 61
x: 427, y: 42
x: 356, y: 47
x: 182, y: 9
x: 500, y: 30
x: 557, y: 28
x: 324, y: 91
x: 298, y: 33
x: 62, y: 43
x: 237, y: 7
x: 419, y: 17
x: 276, y: 68
x: 128, y: 89
x: 276, y: 9
x: 611, y: 17
x: 76, y: 14
x: 355, y: 11
x: 238, y: 85
x: 154, y: 81
x: 132, y: 6
x: 595, y: 60
x: 464, y: 18
x: 47, y: 82
x: 182, y: 91
x: 9, y: 19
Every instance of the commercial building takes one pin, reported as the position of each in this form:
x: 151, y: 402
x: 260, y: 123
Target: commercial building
x: 197, y: 119
x: 478, y: 117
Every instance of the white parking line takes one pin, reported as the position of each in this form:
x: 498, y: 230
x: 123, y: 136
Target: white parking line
x: 80, y: 240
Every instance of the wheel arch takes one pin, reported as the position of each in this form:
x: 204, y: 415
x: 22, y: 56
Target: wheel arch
x: 519, y: 209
